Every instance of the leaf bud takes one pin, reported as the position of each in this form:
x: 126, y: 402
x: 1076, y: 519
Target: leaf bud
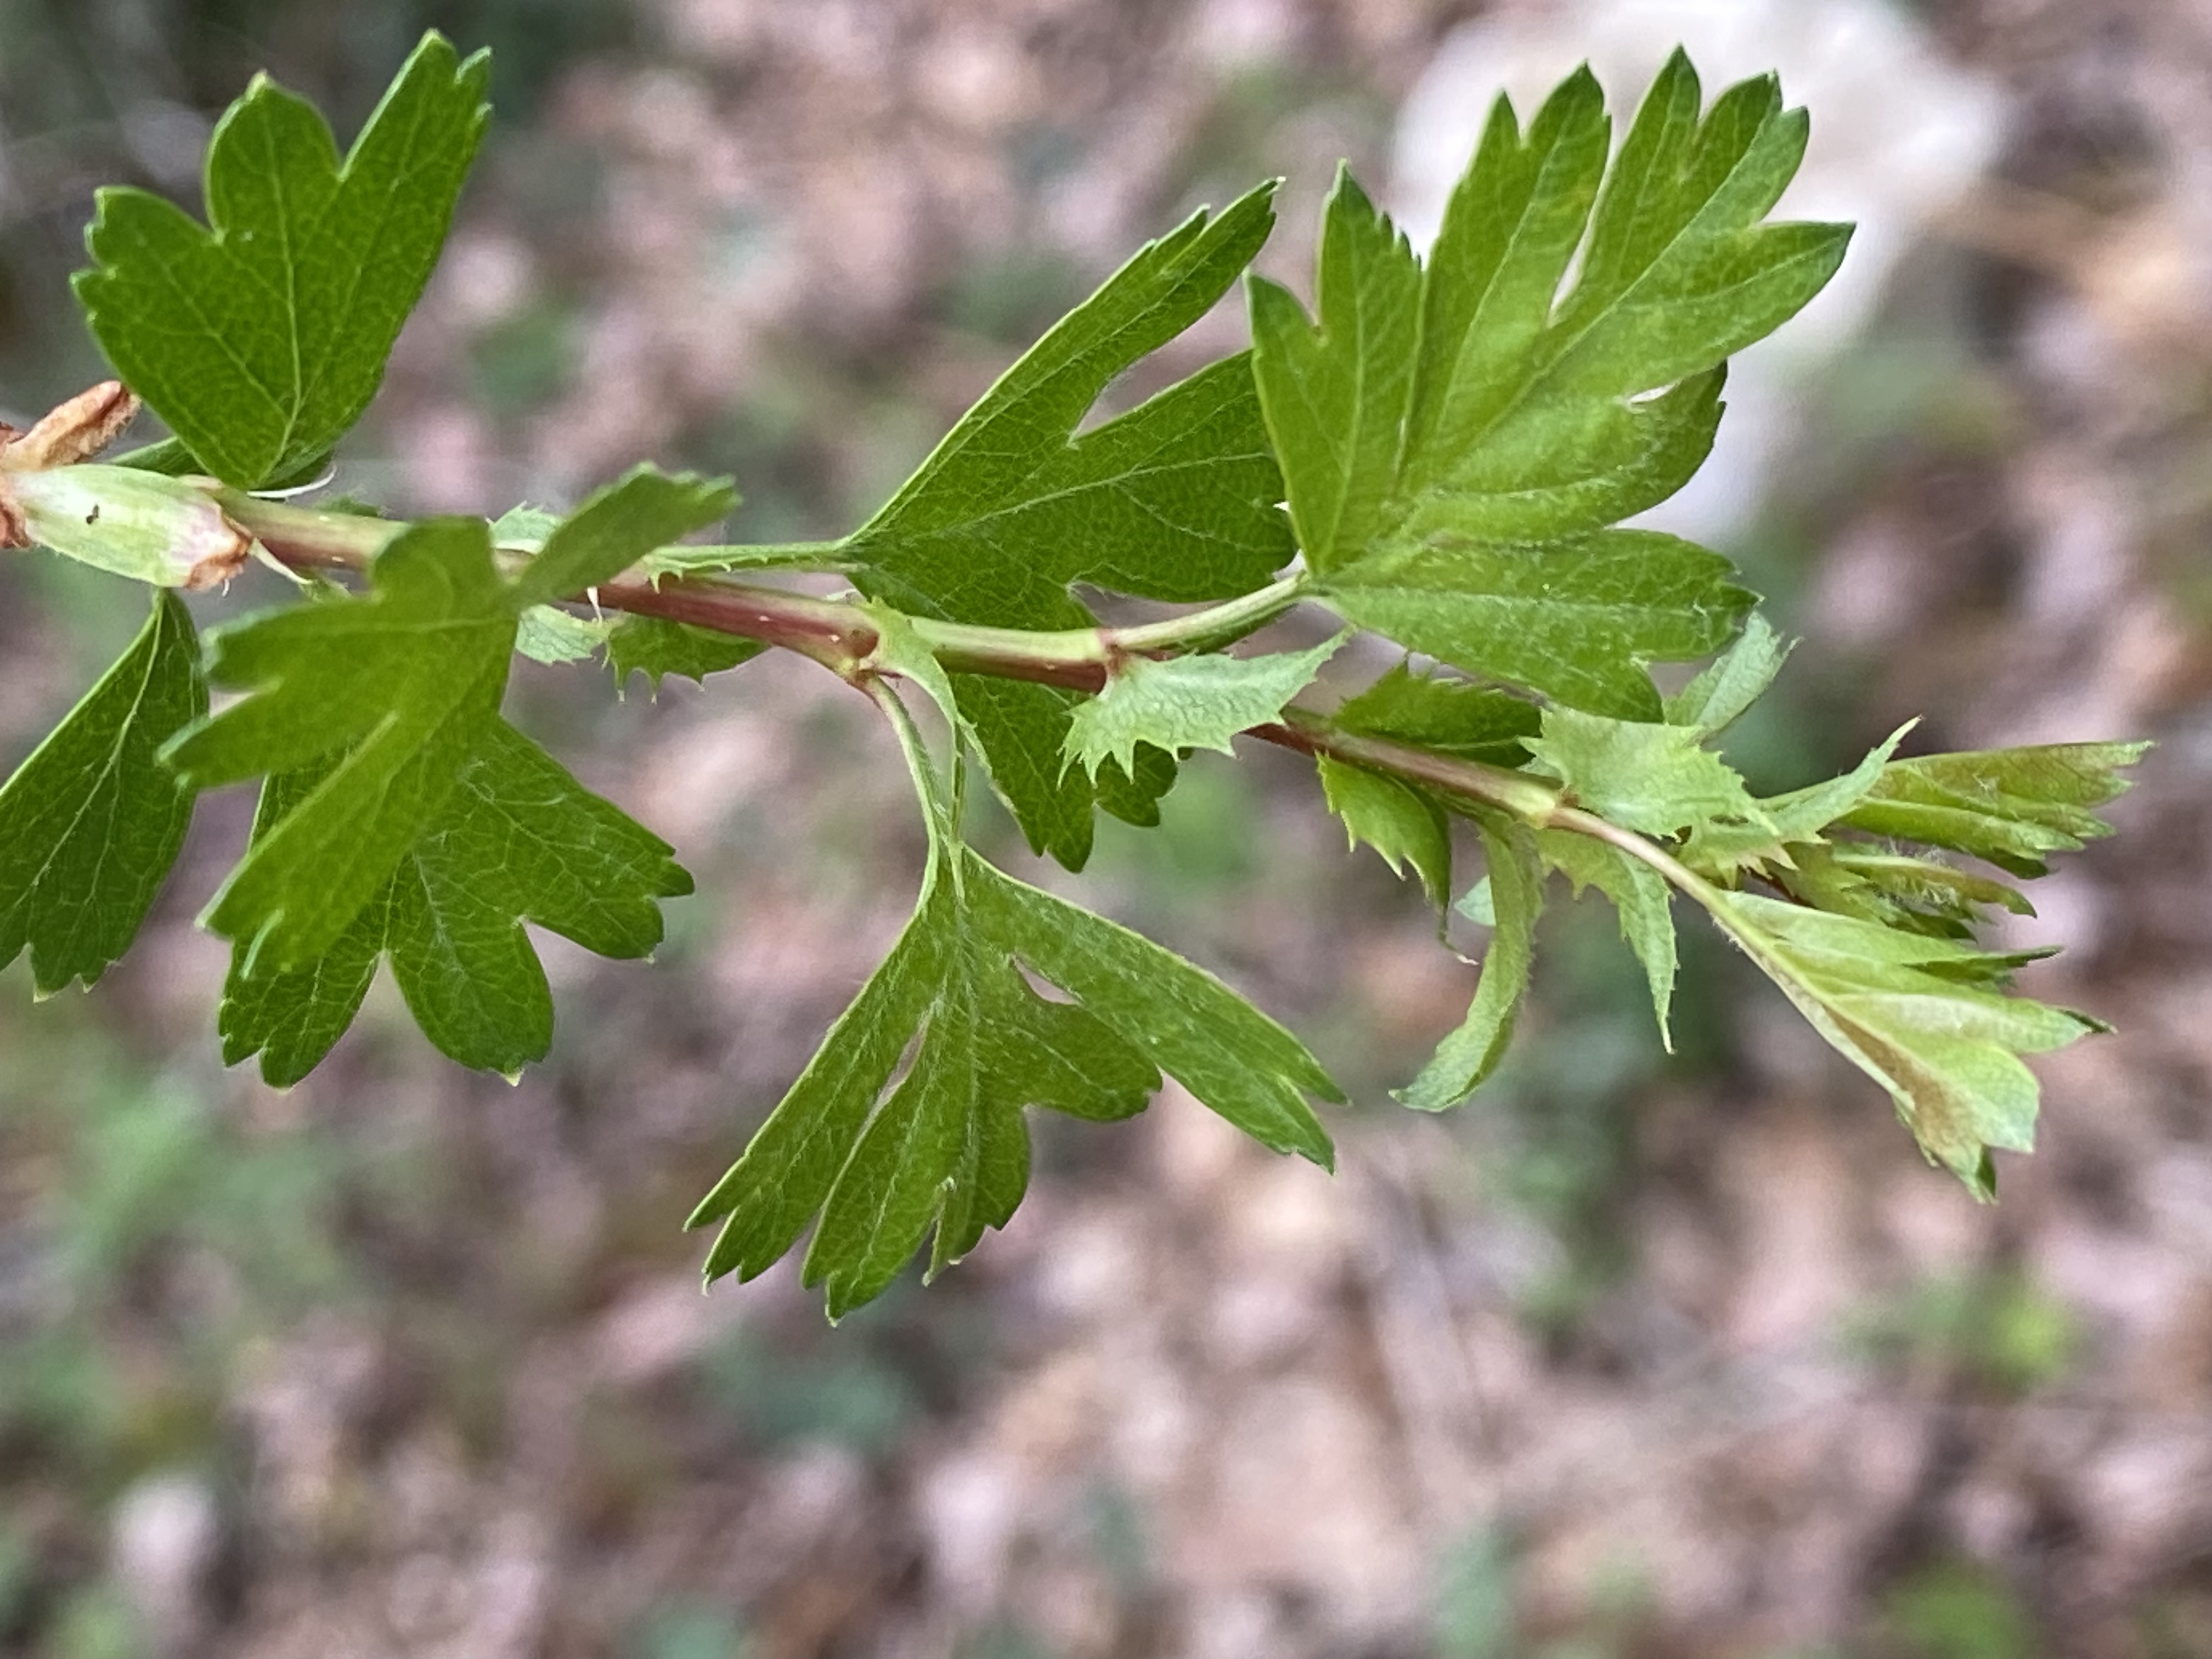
x: 167, y: 531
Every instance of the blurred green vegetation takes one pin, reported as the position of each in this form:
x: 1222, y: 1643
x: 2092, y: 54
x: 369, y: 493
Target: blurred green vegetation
x: 851, y: 1397
x: 1997, y: 1330
x: 1958, y: 1610
x: 687, y: 1630
x: 136, y: 1201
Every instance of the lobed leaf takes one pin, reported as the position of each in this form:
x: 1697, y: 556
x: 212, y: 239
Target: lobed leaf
x: 1198, y: 702
x: 1657, y: 780
x: 93, y: 820
x: 1575, y: 621
x: 384, y: 697
x: 1452, y: 717
x: 398, y: 685
x: 657, y: 647
x: 1639, y: 895
x: 1787, y: 827
x: 1403, y: 823
x: 1516, y: 892
x: 1918, y: 1015
x: 2014, y: 807
x: 947, y: 1148
x: 1173, y: 500
x: 1336, y: 395
x: 1455, y: 475
x: 518, y: 840
x: 261, y: 336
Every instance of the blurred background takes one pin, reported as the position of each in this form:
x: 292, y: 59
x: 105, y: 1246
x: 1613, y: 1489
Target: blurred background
x: 1636, y: 1357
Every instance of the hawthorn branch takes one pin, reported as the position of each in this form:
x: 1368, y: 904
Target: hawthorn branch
x: 839, y: 635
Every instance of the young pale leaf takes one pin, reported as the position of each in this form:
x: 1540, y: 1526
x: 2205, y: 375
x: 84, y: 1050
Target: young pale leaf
x: 549, y: 634
x: 1188, y: 702
x: 657, y: 647
x: 2014, y: 807
x: 1717, y: 698
x: 1655, y: 779
x: 1446, y: 477
x: 93, y: 820
x: 1928, y: 887
x: 1450, y: 716
x: 261, y: 338
x: 1918, y: 1014
x: 523, y: 528
x: 1173, y: 500
x: 403, y: 681
x: 617, y: 528
x: 1470, y: 1054
x: 1724, y: 849
x: 1475, y: 904
x: 948, y: 1147
x: 1918, y: 895
x: 1639, y: 894
x: 519, y: 839
x: 1404, y: 824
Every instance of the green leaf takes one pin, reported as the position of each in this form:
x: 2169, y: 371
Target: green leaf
x: 656, y: 647
x: 1173, y: 501
x: 519, y: 839
x: 93, y: 820
x: 1134, y: 796
x: 2014, y: 807
x: 261, y: 340
x: 1920, y: 894
x: 1450, y: 716
x: 948, y: 1147
x: 546, y: 633
x: 1336, y: 395
x: 1787, y: 824
x: 395, y: 688
x: 1231, y: 1057
x: 1404, y: 824
x: 1928, y: 886
x: 1188, y: 702
x: 1717, y: 698
x: 1918, y: 1015
x: 1476, y: 904
x: 1655, y: 779
x: 403, y: 682
x: 618, y: 527
x: 1639, y: 894
x: 1470, y: 1054
x: 523, y: 528
x: 1576, y: 620
x: 1453, y: 479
